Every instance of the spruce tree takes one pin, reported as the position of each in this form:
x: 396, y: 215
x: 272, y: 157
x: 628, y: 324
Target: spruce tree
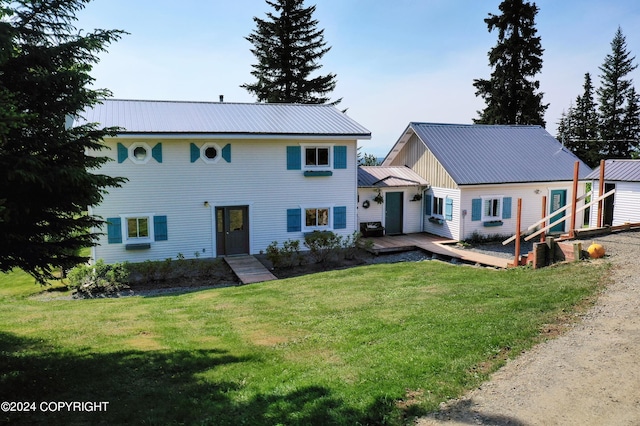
x: 612, y: 96
x: 288, y: 47
x: 47, y: 180
x: 582, y: 135
x: 510, y: 93
x: 631, y: 122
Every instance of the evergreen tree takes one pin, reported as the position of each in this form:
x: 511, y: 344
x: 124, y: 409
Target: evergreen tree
x: 288, y: 47
x: 46, y: 178
x: 631, y: 122
x: 582, y: 139
x: 612, y: 94
x: 510, y: 93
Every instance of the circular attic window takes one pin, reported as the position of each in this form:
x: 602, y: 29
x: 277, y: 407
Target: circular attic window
x: 210, y: 153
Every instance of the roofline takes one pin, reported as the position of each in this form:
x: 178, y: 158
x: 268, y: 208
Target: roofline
x: 524, y: 182
x: 198, y: 135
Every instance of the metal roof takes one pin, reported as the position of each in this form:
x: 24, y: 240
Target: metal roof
x: 619, y: 170
x: 476, y: 154
x: 385, y: 177
x: 139, y: 116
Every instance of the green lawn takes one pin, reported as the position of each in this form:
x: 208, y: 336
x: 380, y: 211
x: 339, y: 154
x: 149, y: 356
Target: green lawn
x: 368, y: 345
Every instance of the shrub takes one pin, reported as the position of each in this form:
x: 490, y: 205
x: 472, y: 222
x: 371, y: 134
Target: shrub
x: 99, y: 279
x: 351, y: 245
x: 285, y: 257
x: 323, y: 245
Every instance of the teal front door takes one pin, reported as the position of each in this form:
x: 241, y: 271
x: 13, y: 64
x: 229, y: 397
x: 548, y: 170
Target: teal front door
x: 393, y: 213
x: 558, y: 201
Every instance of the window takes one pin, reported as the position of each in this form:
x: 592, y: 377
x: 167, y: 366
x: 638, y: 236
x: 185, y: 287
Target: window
x: 316, y: 218
x: 137, y: 228
x: 210, y: 153
x: 139, y: 153
x: 492, y: 208
x: 438, y: 204
x: 316, y: 157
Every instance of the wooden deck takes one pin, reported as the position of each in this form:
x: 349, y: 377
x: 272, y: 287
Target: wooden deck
x: 435, y: 245
x: 249, y: 269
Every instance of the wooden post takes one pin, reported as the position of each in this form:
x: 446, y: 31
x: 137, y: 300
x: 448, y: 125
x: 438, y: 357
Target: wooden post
x: 516, y: 261
x: 600, y: 192
x: 544, y: 214
x: 574, y: 201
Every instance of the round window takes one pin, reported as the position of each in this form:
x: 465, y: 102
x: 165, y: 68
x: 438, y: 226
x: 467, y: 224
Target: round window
x: 140, y: 153
x: 211, y: 153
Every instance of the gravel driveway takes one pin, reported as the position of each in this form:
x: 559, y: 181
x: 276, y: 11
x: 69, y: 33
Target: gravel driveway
x: 588, y: 376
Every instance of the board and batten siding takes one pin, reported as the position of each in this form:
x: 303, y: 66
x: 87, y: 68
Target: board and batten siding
x: 531, y: 194
x: 256, y: 177
x: 626, y: 204
x: 419, y: 158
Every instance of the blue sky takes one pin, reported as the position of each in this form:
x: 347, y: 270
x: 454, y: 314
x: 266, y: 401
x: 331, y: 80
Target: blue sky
x: 396, y: 61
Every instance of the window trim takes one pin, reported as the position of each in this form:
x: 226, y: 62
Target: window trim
x: 135, y: 240
x: 498, y: 216
x: 303, y: 212
x: 435, y: 211
x: 303, y: 158
x: 204, y: 148
x: 132, y: 149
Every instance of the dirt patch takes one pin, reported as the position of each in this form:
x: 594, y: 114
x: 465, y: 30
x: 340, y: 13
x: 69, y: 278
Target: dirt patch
x: 587, y: 376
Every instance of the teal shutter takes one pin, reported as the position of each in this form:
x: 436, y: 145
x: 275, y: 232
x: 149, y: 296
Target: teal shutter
x: 339, y: 157
x: 476, y: 209
x: 114, y: 230
x: 294, y: 220
x: 506, y: 208
x: 123, y: 153
x: 160, y: 228
x: 339, y: 217
x: 156, y: 152
x: 226, y: 153
x: 428, y: 203
x: 294, y: 154
x: 448, y: 209
x: 195, y: 152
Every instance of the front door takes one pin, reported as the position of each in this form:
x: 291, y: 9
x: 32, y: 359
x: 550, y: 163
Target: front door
x: 232, y: 230
x: 558, y: 200
x: 608, y: 204
x: 393, y: 213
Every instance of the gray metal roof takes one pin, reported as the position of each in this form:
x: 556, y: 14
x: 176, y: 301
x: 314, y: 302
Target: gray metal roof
x: 386, y: 177
x: 483, y: 154
x: 223, y: 118
x: 619, y: 170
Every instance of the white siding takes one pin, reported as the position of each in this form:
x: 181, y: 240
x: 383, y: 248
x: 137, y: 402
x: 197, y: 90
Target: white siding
x: 449, y: 228
x: 257, y: 176
x: 626, y: 205
x: 531, y: 194
x: 412, y: 210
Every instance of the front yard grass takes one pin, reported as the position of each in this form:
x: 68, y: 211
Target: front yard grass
x: 368, y: 345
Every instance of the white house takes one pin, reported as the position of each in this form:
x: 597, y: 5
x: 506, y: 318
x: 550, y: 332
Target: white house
x: 391, y: 196
x: 476, y: 174
x: 624, y: 205
x: 214, y: 179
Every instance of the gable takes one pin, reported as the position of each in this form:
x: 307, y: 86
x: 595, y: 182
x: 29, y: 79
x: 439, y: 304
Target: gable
x: 414, y: 154
x: 486, y: 154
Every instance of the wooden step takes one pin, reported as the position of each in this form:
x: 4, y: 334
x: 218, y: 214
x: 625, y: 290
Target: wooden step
x: 249, y: 269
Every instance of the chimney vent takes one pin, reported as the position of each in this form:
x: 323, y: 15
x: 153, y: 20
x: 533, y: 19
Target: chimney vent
x: 221, y: 98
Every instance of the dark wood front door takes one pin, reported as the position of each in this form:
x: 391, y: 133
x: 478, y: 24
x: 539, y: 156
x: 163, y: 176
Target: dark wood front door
x: 232, y: 230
